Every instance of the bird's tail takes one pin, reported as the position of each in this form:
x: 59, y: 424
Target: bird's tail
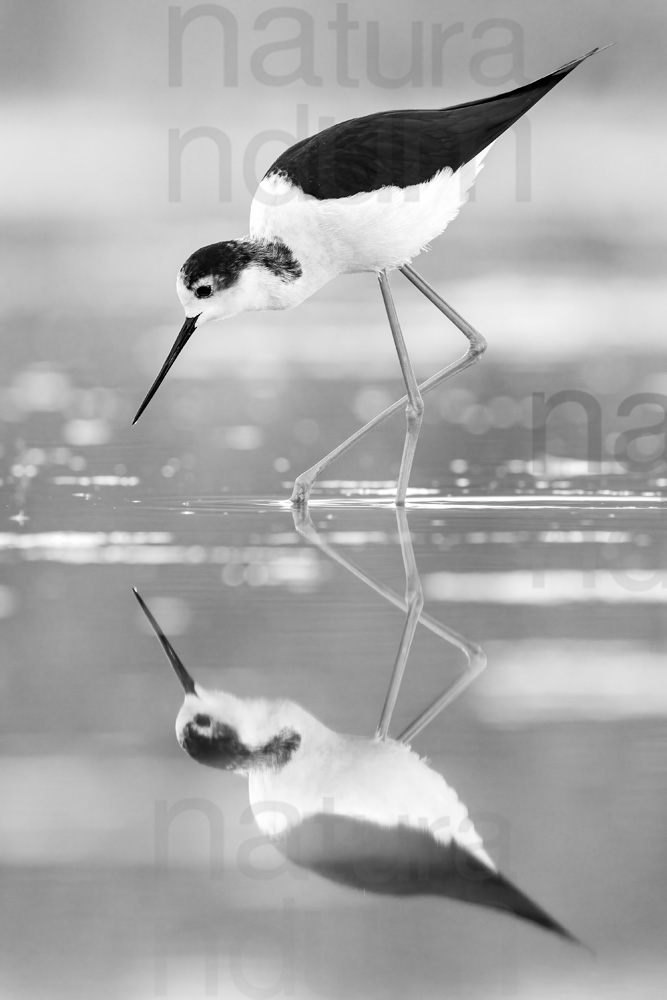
x: 479, y: 123
x: 544, y: 84
x: 472, y: 882
x: 406, y: 861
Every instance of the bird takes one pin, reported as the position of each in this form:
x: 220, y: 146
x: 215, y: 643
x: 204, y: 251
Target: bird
x: 368, y: 194
x: 367, y: 813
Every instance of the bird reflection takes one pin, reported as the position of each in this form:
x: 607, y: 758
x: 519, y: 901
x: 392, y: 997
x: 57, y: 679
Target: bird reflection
x: 368, y: 813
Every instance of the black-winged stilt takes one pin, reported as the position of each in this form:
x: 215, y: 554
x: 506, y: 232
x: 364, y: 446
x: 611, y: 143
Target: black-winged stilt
x: 365, y: 812
x: 365, y: 195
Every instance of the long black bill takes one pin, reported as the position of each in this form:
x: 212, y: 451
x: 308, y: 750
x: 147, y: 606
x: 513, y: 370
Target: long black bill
x: 186, y: 332
x: 187, y: 682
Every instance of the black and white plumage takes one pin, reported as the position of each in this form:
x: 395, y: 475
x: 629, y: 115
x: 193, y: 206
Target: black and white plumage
x: 365, y: 195
x: 366, y: 813
x: 404, y: 148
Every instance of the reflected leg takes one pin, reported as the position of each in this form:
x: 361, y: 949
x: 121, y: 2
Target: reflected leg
x: 414, y: 600
x: 476, y: 664
x: 304, y: 482
x: 474, y: 654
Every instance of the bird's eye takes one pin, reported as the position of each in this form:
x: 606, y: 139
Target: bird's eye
x: 203, y: 291
x: 202, y: 720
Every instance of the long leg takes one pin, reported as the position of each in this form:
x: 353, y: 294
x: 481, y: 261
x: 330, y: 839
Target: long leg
x: 474, y: 654
x: 414, y: 410
x: 414, y: 600
x: 304, y: 483
x: 476, y: 664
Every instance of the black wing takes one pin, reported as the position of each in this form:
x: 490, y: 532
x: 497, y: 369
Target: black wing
x: 405, y: 147
x: 402, y: 861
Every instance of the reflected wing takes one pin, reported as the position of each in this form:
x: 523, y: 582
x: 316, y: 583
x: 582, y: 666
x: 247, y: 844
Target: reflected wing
x: 403, y: 861
x: 405, y: 147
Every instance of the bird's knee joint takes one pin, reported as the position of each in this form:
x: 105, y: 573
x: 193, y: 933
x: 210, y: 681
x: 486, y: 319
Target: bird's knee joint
x: 478, y: 348
x: 301, y: 490
x: 414, y: 595
x: 415, y: 411
x: 415, y: 598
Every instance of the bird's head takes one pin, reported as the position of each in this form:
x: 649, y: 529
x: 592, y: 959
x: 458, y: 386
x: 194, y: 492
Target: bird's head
x: 224, y: 279
x: 222, y: 731
x: 219, y: 281
x: 213, y: 284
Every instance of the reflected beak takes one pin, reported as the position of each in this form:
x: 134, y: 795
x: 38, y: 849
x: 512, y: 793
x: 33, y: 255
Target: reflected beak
x: 186, y: 332
x: 187, y: 682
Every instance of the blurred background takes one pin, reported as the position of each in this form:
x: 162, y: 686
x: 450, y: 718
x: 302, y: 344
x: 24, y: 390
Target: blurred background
x: 135, y: 132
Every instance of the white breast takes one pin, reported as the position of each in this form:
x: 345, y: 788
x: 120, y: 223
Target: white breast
x: 381, y: 781
x: 363, y: 232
